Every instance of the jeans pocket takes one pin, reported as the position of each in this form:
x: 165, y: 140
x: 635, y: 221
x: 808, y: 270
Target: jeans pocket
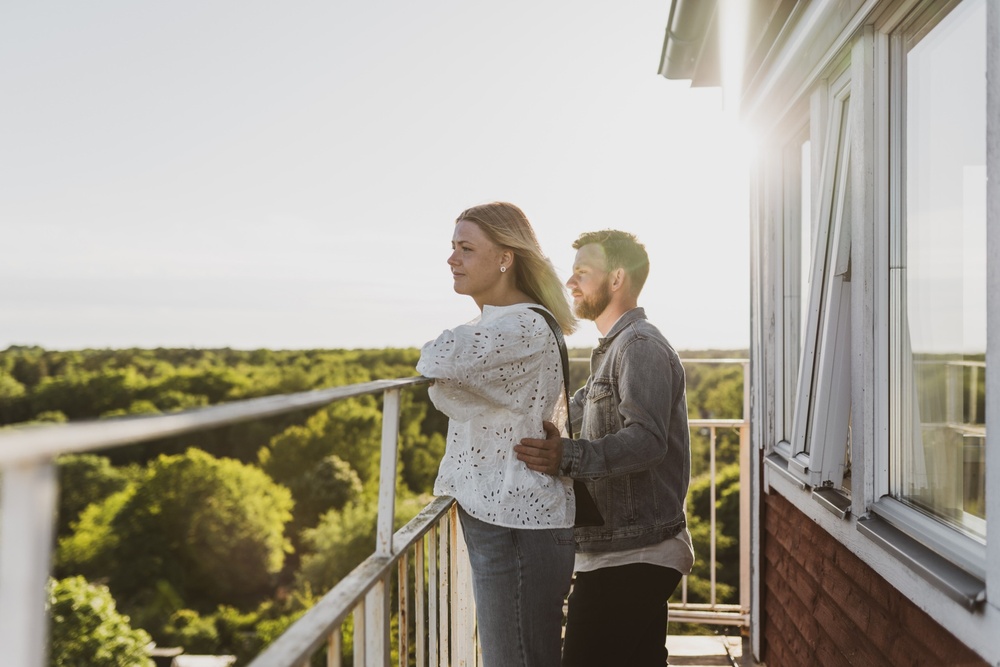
x: 562, y: 536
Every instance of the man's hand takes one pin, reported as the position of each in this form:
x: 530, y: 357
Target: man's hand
x: 542, y: 455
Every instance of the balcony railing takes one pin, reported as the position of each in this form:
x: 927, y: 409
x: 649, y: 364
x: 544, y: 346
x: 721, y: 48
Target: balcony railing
x: 435, y: 609
x: 713, y: 612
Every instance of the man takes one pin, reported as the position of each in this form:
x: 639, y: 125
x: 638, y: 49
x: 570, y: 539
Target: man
x: 634, y: 456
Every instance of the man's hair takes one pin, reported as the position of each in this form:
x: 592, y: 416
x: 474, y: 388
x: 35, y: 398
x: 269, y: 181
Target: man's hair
x: 622, y: 251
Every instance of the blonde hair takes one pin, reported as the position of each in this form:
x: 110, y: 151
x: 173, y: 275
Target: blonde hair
x: 508, y: 227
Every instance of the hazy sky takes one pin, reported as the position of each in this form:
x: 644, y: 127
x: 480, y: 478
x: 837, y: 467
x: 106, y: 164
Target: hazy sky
x: 287, y: 175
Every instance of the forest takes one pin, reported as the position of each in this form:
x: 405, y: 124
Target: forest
x: 218, y: 541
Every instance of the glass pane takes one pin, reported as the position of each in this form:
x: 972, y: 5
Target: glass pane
x: 798, y: 185
x: 805, y: 215
x: 939, y: 464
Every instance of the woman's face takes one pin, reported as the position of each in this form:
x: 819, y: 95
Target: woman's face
x: 475, y: 261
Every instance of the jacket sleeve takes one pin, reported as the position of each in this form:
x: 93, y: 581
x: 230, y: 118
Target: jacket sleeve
x: 576, y: 403
x: 482, y: 367
x: 650, y: 388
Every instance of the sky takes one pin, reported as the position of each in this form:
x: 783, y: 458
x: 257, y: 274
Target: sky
x: 287, y: 175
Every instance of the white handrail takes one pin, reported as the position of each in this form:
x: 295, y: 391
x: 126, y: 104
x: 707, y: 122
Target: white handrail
x: 36, y: 443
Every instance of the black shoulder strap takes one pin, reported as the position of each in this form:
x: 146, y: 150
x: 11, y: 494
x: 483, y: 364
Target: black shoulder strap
x: 564, y: 355
x: 587, y: 511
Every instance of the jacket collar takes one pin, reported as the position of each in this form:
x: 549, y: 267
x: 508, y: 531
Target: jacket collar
x: 623, y: 321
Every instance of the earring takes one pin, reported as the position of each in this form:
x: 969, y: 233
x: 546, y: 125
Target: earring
x: 503, y: 269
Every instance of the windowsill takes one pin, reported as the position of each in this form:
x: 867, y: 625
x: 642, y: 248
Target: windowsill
x: 776, y: 463
x: 834, y: 500
x: 955, y: 582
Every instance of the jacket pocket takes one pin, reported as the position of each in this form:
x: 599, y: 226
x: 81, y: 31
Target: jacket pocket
x: 600, y: 410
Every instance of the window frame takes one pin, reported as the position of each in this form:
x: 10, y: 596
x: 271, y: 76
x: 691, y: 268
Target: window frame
x: 829, y: 416
x: 791, y: 262
x: 823, y: 382
x: 957, y: 548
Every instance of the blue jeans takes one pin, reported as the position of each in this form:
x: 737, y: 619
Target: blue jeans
x: 618, y: 616
x: 520, y: 579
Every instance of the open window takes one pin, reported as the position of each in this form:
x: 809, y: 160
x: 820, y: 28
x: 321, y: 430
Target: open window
x: 821, y: 418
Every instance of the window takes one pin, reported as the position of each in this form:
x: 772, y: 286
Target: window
x: 820, y: 423
x: 938, y: 272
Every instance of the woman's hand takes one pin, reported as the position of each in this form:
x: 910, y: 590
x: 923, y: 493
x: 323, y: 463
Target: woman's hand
x: 542, y: 455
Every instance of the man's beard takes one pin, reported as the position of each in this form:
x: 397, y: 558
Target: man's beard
x: 590, y: 308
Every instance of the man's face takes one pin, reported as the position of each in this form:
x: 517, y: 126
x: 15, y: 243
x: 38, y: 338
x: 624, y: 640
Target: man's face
x: 589, y: 285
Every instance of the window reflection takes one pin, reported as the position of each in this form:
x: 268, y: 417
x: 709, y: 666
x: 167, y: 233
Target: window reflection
x: 938, y: 462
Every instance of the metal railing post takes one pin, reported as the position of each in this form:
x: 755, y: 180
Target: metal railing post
x: 387, y: 472
x: 745, y: 505
x: 712, y: 565
x: 745, y: 519
x: 444, y: 592
x: 27, y: 518
x: 378, y: 636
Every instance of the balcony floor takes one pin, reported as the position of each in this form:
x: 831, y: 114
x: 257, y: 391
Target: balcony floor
x: 695, y: 651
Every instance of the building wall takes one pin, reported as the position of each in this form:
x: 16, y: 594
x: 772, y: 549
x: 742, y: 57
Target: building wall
x: 822, y: 605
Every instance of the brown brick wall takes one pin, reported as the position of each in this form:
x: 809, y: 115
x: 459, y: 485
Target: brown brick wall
x: 823, y: 606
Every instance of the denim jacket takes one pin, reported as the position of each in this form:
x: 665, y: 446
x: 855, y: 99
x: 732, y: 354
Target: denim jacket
x: 634, y: 451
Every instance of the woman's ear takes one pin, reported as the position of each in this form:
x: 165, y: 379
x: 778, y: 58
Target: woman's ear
x: 507, y: 259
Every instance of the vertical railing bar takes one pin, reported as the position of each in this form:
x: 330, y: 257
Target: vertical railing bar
x: 711, y: 511
x: 455, y: 643
x: 387, y: 472
x: 419, y: 621
x: 744, y: 593
x: 334, y: 648
x: 360, y: 633
x: 27, y: 518
x: 463, y: 625
x: 377, y: 624
x: 377, y: 637
x: 455, y: 606
x: 403, y: 611
x: 433, y: 567
x: 445, y: 593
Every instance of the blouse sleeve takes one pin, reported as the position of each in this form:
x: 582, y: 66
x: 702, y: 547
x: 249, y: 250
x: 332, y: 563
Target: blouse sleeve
x: 478, y: 367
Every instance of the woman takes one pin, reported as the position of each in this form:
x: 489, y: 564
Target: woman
x: 499, y: 377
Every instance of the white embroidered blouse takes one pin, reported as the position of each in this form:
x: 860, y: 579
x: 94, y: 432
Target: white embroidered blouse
x: 497, y: 378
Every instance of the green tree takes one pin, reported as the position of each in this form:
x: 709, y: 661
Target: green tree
x: 85, y: 479
x: 343, y: 539
x: 195, y: 532
x: 215, y: 525
x: 13, y: 400
x: 139, y: 407
x: 193, y: 632
x: 350, y: 429
x: 331, y: 484
x: 88, y: 549
x: 421, y: 457
x: 88, y: 631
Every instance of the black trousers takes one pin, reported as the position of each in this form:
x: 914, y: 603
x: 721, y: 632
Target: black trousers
x: 618, y: 616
